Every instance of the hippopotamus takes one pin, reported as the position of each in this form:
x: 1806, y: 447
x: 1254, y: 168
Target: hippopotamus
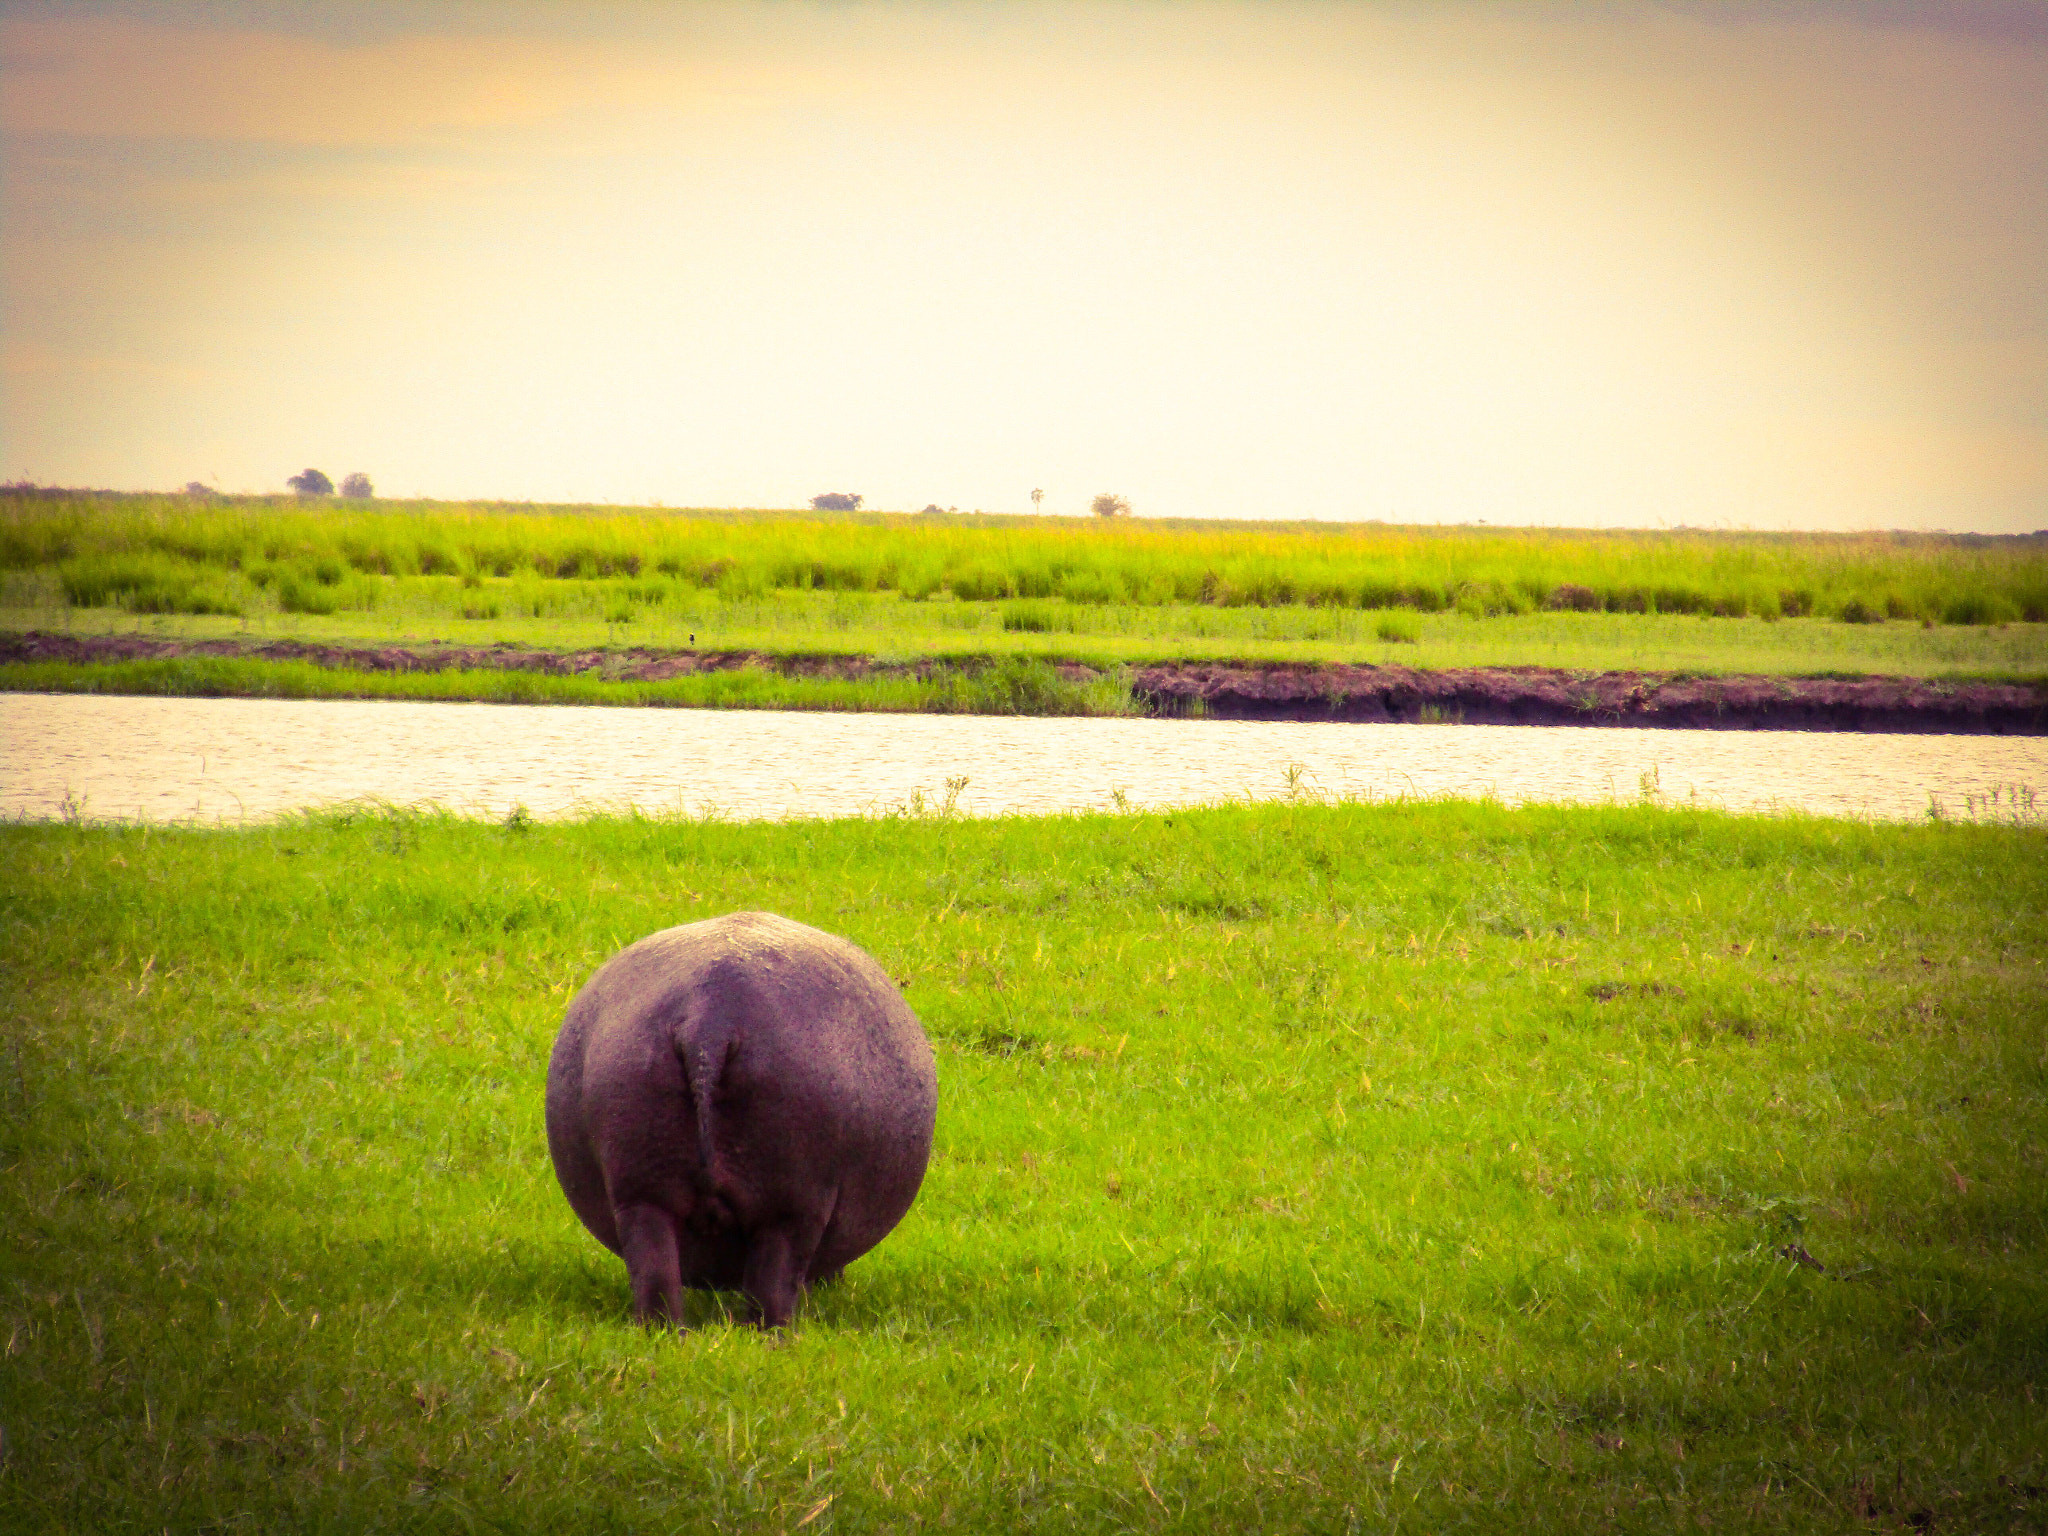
x: 740, y: 1104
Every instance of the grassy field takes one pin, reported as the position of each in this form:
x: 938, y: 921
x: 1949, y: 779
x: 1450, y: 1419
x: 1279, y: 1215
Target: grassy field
x: 885, y: 627
x: 1015, y: 685
x: 1118, y: 590
x: 1300, y: 1167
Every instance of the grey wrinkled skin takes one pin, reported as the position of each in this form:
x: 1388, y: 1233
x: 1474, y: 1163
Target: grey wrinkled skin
x: 744, y: 1103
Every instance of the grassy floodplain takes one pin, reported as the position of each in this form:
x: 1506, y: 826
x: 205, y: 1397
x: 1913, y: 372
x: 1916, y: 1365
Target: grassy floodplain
x: 1012, y: 685
x: 896, y: 587
x: 883, y: 627
x: 1300, y: 1167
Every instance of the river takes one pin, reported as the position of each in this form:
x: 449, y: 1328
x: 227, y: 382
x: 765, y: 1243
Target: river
x: 207, y: 760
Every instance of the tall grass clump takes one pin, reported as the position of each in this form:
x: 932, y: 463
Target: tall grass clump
x: 1025, y: 685
x: 146, y: 582
x: 1037, y: 618
x: 320, y: 584
x: 1397, y: 629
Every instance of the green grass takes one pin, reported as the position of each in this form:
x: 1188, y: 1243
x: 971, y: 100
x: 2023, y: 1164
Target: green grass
x: 1012, y: 685
x: 1106, y: 593
x: 168, y: 554
x: 1299, y: 1168
x: 882, y: 626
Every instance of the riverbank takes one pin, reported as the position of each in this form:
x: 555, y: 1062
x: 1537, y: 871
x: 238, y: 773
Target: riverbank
x: 133, y: 663
x: 1297, y: 1166
x: 1104, y: 593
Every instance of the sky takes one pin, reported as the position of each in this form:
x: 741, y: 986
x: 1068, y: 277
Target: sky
x: 1745, y: 264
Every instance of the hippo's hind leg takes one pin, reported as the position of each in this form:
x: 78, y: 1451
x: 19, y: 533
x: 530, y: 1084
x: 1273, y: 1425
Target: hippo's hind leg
x: 647, y: 1242
x: 778, y: 1264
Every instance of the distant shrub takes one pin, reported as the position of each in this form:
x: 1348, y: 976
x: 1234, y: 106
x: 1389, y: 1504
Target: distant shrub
x: 1857, y: 611
x: 837, y: 501
x: 311, y: 482
x: 356, y: 486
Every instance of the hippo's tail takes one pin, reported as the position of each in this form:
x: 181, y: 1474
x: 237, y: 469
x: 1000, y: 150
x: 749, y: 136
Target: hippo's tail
x: 705, y: 1052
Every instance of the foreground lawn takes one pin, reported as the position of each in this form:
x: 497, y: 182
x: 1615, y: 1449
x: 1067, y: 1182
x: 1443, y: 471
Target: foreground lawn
x: 1299, y: 1168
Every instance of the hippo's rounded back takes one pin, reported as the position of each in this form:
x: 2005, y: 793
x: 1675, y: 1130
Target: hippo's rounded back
x: 740, y: 1103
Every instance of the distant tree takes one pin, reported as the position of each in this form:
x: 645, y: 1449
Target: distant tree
x: 1037, y: 497
x: 836, y: 501
x: 311, y: 483
x: 198, y: 488
x: 932, y: 509
x: 1109, y: 504
x: 358, y: 486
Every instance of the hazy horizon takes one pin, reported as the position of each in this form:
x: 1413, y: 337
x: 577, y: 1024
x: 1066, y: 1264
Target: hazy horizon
x: 1747, y: 265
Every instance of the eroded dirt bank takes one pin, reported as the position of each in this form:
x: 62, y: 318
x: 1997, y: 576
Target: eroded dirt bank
x: 1243, y: 691
x: 1542, y: 696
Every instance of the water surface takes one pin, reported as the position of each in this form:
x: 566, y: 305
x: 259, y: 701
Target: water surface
x: 209, y: 759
